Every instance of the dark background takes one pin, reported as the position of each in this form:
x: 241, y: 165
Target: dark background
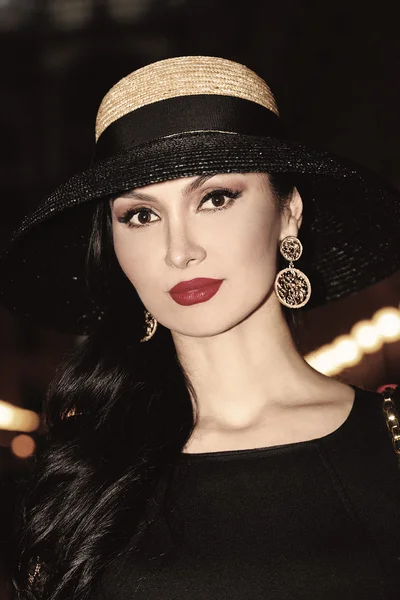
x: 333, y: 66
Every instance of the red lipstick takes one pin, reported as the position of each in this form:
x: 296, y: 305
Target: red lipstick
x: 195, y: 290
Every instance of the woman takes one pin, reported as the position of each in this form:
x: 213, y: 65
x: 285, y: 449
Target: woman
x: 191, y: 451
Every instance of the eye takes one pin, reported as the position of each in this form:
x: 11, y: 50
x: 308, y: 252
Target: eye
x: 142, y: 213
x: 220, y: 196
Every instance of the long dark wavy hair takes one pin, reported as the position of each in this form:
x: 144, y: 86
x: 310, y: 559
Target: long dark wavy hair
x: 117, y: 415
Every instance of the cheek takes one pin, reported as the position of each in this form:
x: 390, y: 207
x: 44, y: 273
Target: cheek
x: 135, y: 259
x: 254, y: 245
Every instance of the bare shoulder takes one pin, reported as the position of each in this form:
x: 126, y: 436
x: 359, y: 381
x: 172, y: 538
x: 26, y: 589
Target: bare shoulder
x: 338, y: 392
x: 330, y: 404
x: 330, y: 397
x: 322, y: 393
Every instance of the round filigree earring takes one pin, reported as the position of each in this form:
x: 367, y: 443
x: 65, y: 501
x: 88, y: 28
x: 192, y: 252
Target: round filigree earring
x: 151, y: 326
x: 292, y: 286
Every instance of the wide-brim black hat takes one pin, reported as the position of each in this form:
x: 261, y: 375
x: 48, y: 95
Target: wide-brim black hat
x: 188, y: 116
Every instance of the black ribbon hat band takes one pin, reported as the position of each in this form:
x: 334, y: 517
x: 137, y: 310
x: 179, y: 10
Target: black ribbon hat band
x: 183, y: 114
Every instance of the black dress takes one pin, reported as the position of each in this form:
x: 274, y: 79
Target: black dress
x: 315, y: 519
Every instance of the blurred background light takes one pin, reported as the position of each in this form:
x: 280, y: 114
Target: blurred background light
x: 387, y: 323
x: 322, y: 360
x: 70, y: 14
x: 365, y: 337
x: 346, y: 351
x: 15, y: 13
x: 23, y: 445
x: 128, y: 10
x: 14, y: 418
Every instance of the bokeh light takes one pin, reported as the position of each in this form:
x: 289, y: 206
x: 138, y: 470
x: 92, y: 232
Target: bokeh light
x: 387, y: 323
x: 365, y: 337
x: 22, y: 445
x: 14, y: 418
x: 346, y: 351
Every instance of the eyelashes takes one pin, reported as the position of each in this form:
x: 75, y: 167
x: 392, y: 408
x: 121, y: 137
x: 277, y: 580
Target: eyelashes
x: 219, y: 194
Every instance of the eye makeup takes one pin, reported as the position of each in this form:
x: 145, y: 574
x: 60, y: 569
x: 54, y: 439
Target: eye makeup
x: 216, y: 194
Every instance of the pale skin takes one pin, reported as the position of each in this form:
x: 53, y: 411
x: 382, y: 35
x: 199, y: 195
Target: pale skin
x: 253, y: 388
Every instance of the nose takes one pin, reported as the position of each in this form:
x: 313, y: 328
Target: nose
x: 182, y: 247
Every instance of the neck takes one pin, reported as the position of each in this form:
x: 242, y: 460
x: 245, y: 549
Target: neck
x: 241, y: 376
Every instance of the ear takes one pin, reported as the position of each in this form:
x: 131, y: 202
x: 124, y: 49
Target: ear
x: 292, y: 216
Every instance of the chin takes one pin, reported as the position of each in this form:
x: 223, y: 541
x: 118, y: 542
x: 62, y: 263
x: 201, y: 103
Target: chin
x: 199, y: 333
x: 205, y: 327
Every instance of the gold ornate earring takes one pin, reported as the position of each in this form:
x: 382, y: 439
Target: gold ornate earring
x: 292, y: 286
x: 151, y: 326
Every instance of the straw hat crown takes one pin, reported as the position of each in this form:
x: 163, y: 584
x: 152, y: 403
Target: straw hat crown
x: 182, y: 76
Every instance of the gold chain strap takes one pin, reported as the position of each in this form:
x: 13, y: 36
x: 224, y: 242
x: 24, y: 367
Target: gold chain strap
x: 392, y: 418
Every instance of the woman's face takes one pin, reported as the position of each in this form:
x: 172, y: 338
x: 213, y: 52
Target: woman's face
x: 224, y: 226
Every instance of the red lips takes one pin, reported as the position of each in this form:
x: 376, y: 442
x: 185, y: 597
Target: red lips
x: 193, y: 284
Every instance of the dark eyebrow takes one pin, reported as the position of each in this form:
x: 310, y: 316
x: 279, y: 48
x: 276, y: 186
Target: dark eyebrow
x: 189, y: 189
x: 192, y: 187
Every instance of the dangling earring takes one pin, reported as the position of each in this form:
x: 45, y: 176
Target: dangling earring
x: 292, y: 286
x: 151, y: 326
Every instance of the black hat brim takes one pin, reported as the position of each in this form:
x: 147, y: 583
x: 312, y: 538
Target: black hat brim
x: 351, y: 221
